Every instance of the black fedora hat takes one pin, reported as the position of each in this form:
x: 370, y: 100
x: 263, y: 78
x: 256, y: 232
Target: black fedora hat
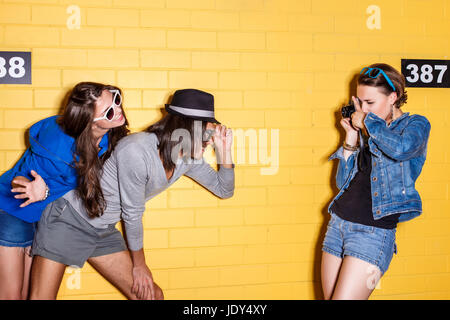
x: 194, y: 104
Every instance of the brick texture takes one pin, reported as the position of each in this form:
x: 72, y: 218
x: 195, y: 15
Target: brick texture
x: 272, y: 64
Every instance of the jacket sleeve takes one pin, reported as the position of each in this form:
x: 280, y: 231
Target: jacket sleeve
x: 406, y: 145
x: 345, y: 167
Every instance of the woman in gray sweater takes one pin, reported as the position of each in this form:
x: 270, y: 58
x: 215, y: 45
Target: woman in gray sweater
x: 143, y: 165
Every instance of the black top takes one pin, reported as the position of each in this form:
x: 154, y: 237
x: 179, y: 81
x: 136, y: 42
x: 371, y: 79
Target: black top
x: 355, y: 204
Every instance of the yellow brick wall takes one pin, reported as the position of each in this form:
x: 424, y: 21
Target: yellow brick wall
x: 271, y: 64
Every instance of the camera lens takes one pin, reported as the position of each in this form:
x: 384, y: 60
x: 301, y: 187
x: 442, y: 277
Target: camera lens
x: 348, y: 110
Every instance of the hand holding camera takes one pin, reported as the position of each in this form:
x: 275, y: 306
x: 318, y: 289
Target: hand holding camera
x: 357, y: 117
x: 352, y: 121
x: 353, y: 116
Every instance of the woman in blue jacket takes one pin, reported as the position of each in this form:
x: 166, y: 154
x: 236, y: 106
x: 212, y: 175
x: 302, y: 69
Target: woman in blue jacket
x: 381, y: 158
x: 65, y: 152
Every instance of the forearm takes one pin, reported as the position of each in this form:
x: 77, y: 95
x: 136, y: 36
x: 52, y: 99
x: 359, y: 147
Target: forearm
x: 351, y: 139
x: 220, y: 182
x: 134, y: 230
x: 345, y: 165
x: 226, y: 180
x: 347, y: 154
x: 227, y: 166
x: 138, y: 257
x: 224, y: 158
x: 344, y: 170
x: 132, y: 183
x: 400, y: 146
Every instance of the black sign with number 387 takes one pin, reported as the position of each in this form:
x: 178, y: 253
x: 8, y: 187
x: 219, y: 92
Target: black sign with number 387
x: 426, y: 73
x: 15, y: 67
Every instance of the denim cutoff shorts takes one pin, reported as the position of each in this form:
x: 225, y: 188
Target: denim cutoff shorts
x: 371, y: 244
x: 15, y: 232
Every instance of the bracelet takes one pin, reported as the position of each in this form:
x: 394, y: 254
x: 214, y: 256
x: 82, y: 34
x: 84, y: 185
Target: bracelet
x: 47, y: 193
x: 348, y: 147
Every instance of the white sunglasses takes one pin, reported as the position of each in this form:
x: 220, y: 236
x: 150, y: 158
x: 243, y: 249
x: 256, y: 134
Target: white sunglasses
x: 111, y: 112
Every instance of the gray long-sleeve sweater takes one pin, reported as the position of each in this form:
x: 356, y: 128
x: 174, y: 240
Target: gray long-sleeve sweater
x: 134, y: 174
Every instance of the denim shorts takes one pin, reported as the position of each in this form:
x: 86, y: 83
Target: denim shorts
x: 15, y: 232
x: 371, y: 244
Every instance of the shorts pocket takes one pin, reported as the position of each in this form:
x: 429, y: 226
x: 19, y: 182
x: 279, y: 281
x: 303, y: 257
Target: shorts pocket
x: 333, y: 222
x: 332, y: 219
x: 54, y: 210
x: 355, y: 227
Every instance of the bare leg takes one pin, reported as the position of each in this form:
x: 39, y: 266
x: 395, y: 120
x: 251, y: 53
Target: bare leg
x: 357, y: 279
x: 46, y: 277
x: 117, y: 268
x: 11, y: 272
x: 27, y: 260
x: 329, y: 271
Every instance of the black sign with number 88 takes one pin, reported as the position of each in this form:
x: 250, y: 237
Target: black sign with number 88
x: 426, y: 73
x: 15, y: 67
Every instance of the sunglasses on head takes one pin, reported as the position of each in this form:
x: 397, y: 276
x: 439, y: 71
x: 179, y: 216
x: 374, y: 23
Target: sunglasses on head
x: 111, y: 112
x: 375, y: 72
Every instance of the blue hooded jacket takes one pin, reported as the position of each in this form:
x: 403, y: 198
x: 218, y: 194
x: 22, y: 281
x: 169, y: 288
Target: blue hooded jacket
x: 51, y: 155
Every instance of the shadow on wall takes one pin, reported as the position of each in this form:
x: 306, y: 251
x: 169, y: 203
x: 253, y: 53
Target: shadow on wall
x: 318, y: 293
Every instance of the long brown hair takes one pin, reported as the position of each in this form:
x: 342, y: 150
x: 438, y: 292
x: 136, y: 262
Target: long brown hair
x: 164, y: 129
x: 76, y: 121
x: 396, y: 77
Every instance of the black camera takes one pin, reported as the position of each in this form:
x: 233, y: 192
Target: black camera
x: 348, y: 110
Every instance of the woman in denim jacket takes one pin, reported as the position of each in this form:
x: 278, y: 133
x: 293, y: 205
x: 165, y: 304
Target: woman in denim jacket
x: 379, y: 162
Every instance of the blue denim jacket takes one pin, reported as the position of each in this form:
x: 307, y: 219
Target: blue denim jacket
x: 398, y: 154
